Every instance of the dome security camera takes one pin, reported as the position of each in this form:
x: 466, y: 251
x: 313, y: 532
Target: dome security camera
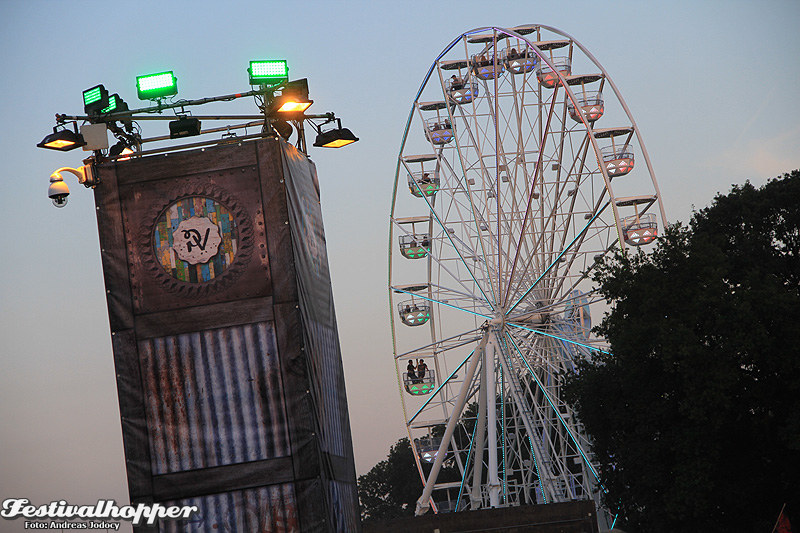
x: 58, y: 190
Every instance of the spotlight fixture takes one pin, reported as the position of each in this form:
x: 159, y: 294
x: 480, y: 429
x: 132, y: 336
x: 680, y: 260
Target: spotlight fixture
x: 62, y: 140
x: 121, y: 151
x: 335, y: 138
x: 117, y: 149
x: 268, y: 72
x: 184, y: 127
x: 95, y: 99
x: 283, y: 128
x: 154, y: 86
x: 292, y: 101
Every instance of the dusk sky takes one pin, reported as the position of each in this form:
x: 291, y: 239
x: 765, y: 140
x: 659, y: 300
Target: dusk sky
x: 712, y: 85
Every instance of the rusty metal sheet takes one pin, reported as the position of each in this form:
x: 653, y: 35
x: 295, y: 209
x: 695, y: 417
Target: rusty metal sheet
x: 213, y: 398
x: 270, y: 509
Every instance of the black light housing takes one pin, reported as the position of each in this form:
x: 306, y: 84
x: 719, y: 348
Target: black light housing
x: 62, y: 140
x: 117, y: 149
x: 184, y: 127
x: 283, y: 128
x: 335, y: 138
x: 293, y: 100
x: 95, y: 100
x: 118, y: 105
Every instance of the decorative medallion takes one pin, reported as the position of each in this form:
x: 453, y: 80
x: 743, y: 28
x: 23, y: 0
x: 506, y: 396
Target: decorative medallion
x: 199, y: 241
x: 195, y: 239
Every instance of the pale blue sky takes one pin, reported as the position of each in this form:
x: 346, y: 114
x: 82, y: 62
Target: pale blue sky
x: 713, y: 87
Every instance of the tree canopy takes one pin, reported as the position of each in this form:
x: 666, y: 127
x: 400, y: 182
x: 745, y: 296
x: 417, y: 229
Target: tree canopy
x: 695, y: 414
x: 391, y: 488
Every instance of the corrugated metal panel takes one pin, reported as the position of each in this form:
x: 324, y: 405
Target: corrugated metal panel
x: 327, y: 379
x: 343, y: 502
x: 213, y: 398
x: 270, y: 509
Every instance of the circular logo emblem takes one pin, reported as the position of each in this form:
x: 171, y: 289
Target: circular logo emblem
x: 195, y: 239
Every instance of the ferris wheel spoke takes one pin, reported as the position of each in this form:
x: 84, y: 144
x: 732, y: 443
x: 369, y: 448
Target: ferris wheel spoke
x: 602, y: 251
x: 450, y: 238
x: 543, y: 233
x: 442, y: 345
x: 558, y: 337
x: 578, y: 280
x: 466, y: 221
x: 518, y: 104
x: 436, y: 259
x: 539, y: 453
x: 506, y: 200
x: 472, y: 133
x: 542, y: 353
x: 563, y: 251
x: 573, y: 197
x: 604, y: 228
x: 423, y: 501
x: 545, y: 251
x: 560, y: 305
x: 537, y: 174
x: 466, y: 471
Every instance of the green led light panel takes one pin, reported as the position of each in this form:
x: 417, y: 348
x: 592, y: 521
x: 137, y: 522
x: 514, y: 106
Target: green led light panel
x: 268, y: 72
x: 112, y: 104
x: 95, y: 99
x: 92, y: 95
x: 153, y: 86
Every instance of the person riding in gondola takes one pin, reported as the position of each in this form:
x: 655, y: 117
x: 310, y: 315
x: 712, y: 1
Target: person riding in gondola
x: 422, y: 368
x: 412, y: 373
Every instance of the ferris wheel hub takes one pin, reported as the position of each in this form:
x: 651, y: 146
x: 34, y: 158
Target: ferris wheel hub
x: 498, y: 321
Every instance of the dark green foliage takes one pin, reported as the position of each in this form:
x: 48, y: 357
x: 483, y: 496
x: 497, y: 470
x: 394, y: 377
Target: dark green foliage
x: 696, y: 415
x: 391, y: 488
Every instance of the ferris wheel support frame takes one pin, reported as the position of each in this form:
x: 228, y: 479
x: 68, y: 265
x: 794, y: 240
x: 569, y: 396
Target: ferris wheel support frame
x: 423, y: 503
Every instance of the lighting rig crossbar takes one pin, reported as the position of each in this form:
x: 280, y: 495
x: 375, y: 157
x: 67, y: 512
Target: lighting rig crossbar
x: 282, y: 104
x: 265, y: 119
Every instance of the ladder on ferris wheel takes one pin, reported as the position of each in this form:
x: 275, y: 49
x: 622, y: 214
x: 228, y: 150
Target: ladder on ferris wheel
x: 544, y: 464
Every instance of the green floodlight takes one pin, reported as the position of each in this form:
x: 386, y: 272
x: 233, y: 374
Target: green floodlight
x: 153, y: 86
x: 118, y: 105
x: 268, y: 72
x: 95, y: 99
x: 115, y: 104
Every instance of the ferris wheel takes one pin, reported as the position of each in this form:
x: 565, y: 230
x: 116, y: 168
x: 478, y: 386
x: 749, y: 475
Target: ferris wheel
x: 520, y: 168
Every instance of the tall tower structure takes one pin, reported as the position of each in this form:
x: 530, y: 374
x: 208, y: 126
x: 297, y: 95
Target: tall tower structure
x: 226, y: 351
